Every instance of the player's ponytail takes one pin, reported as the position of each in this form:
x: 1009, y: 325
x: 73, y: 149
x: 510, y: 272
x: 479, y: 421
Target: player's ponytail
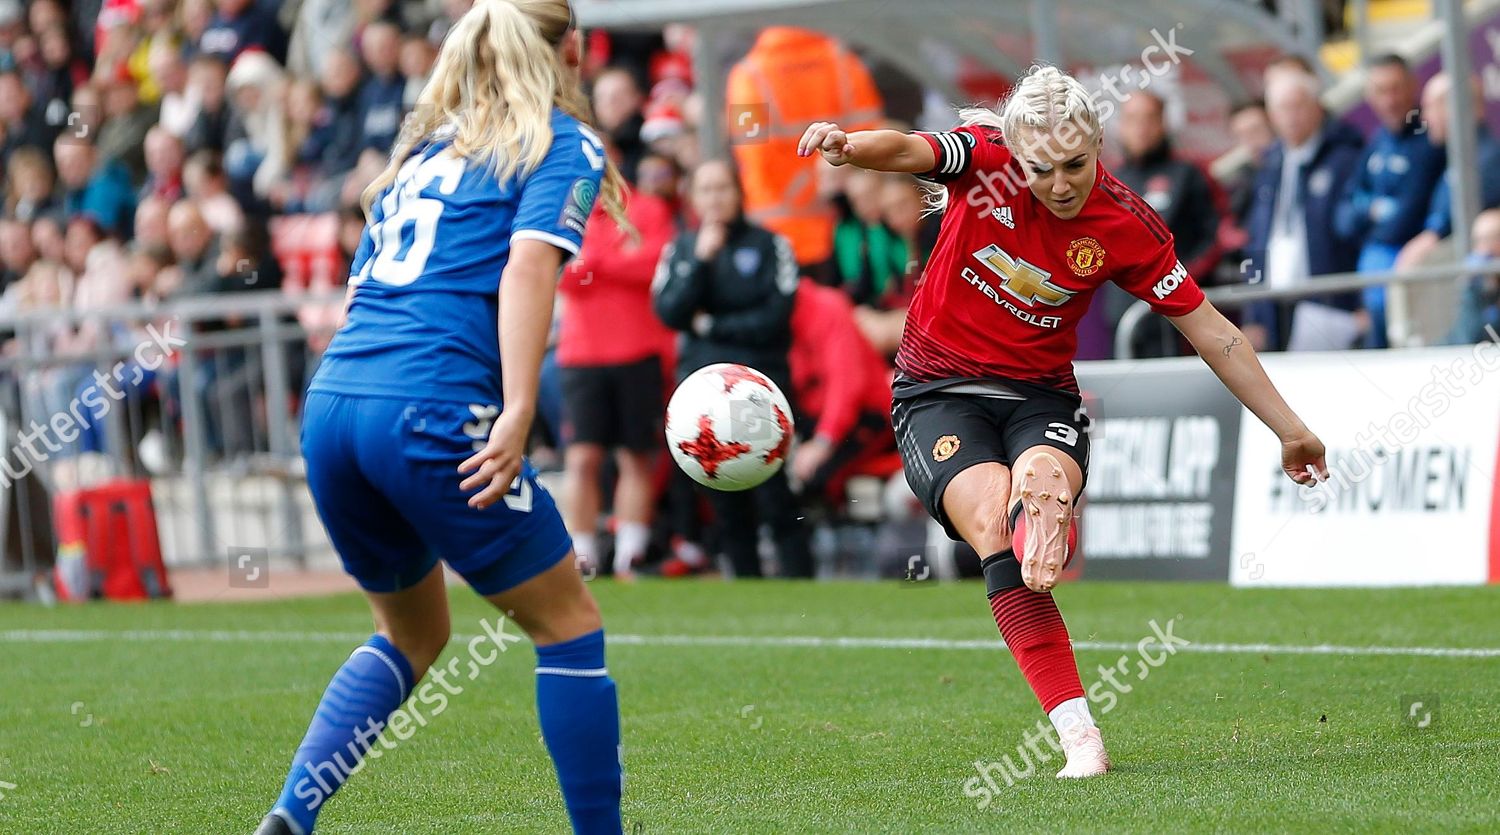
x: 496, y: 80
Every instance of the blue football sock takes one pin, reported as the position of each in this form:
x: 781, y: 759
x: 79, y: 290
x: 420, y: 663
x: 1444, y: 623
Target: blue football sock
x: 363, y: 694
x: 575, y: 698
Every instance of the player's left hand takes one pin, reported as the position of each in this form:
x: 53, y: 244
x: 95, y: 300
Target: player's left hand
x: 496, y: 466
x: 1301, y: 451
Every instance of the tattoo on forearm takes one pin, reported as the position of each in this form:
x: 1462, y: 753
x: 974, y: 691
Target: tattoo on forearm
x: 1231, y: 346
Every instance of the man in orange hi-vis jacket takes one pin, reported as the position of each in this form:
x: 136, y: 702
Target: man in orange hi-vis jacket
x: 789, y: 79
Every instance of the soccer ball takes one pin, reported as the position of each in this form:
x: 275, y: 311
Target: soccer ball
x: 729, y: 427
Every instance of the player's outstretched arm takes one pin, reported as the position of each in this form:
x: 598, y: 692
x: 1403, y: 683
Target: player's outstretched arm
x: 878, y: 150
x: 1227, y: 351
x: 527, y: 288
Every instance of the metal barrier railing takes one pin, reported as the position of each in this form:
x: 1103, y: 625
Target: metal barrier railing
x: 201, y: 395
x: 1322, y: 285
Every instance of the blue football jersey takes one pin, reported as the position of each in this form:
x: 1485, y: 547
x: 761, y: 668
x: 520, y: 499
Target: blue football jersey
x: 422, y: 322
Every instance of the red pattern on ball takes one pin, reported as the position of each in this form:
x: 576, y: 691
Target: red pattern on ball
x: 708, y: 450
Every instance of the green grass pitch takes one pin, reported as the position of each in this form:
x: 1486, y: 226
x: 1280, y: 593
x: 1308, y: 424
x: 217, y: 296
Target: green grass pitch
x: 181, y: 718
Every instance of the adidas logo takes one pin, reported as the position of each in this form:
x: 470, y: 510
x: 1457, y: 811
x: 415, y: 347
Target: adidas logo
x: 1003, y: 214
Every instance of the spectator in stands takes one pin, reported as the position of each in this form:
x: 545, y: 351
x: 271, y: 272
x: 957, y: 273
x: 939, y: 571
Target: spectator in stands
x: 843, y: 387
x: 256, y: 158
x: 205, y: 183
x: 87, y: 115
x: 308, y: 130
x: 1439, y: 221
x: 157, y: 32
x: 30, y: 191
x: 867, y: 253
x: 659, y: 176
x: 20, y: 125
x: 319, y: 23
x: 417, y: 59
x: 1253, y: 137
x: 1291, y: 230
x: 1251, y: 127
x: 1386, y: 202
x: 239, y: 25
x: 371, y: 164
x: 143, y: 265
x: 381, y: 93
x: 17, y: 253
x: 179, y: 103
x: 195, y: 250
x: 729, y: 287
x: 122, y: 134
x: 617, y: 113
x: 47, y: 237
x: 163, y: 165
x: 206, y: 87
x: 340, y: 85
x: 101, y: 282
x: 91, y: 185
x: 1181, y: 194
x: 44, y: 14
x: 789, y: 79
x: 151, y: 223
x: 60, y: 73
x: 47, y: 286
x: 614, y: 356
x: 194, y: 18
x: 1478, y: 317
x: 883, y: 317
x: 663, y: 128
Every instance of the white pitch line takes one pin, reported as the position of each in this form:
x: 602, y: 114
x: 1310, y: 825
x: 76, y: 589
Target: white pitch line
x: 44, y: 636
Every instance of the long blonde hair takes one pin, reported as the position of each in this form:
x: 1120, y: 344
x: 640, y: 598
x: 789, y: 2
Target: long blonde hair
x: 496, y: 81
x: 1042, y: 99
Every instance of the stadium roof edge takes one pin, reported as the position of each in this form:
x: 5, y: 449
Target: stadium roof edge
x: 1117, y: 32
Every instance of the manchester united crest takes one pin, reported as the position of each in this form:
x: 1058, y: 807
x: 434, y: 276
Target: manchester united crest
x: 945, y: 447
x: 1085, y: 257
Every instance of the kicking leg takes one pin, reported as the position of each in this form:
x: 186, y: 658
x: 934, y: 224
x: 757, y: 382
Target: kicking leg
x: 975, y: 501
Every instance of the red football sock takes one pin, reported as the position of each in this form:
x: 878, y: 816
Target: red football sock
x: 1034, y: 630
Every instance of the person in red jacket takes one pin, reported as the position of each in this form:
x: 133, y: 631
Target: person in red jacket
x: 614, y: 354
x: 842, y: 384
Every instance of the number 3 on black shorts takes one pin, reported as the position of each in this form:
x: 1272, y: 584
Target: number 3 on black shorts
x: 1062, y: 433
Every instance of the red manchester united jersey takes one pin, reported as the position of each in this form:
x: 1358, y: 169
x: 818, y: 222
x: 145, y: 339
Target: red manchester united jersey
x: 1008, y: 281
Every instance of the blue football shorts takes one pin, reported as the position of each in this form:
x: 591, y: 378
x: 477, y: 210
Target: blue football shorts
x: 384, y: 476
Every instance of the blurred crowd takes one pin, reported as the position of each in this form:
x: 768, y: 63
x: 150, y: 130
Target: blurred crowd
x: 162, y: 149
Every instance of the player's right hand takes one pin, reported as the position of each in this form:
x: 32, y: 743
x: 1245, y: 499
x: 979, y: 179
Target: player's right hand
x: 496, y: 466
x: 828, y: 139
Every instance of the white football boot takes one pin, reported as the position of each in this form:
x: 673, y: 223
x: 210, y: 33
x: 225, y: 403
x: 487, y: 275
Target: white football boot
x: 1086, y: 754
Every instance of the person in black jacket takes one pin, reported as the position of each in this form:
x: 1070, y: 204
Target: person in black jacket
x: 1181, y: 194
x: 729, y: 287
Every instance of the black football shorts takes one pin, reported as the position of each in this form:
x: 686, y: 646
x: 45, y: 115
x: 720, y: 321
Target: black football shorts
x: 615, y: 405
x: 942, y: 434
